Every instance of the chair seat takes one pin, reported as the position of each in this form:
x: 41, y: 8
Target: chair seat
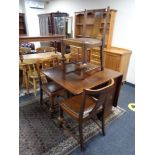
x: 72, y: 106
x: 51, y: 87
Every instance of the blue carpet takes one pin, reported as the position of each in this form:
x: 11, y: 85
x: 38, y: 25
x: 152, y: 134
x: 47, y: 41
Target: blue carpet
x: 120, y: 135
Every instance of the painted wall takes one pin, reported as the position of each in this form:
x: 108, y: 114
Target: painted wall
x: 21, y: 6
x: 124, y: 25
x: 32, y: 19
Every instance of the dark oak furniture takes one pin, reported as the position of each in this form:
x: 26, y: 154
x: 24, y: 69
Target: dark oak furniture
x: 25, y: 38
x: 74, y: 84
x: 50, y: 88
x: 57, y: 25
x: 85, y: 107
x: 22, y: 26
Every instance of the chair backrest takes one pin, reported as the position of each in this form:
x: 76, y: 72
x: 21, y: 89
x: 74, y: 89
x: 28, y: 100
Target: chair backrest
x: 100, y: 96
x: 45, y: 49
x: 44, y: 64
x: 24, y: 50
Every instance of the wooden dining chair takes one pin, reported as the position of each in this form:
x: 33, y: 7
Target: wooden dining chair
x: 50, y: 88
x: 86, y: 106
x: 24, y: 50
x: 45, y: 49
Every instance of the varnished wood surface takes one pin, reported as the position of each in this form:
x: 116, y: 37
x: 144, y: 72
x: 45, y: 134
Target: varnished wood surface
x: 88, y: 42
x: 25, y: 38
x: 32, y: 58
x: 73, y: 83
x: 115, y: 58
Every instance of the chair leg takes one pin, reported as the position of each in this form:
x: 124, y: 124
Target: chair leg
x: 41, y: 96
x: 61, y: 117
x: 81, y: 137
x: 51, y: 109
x: 26, y: 81
x: 34, y: 87
x: 102, y: 119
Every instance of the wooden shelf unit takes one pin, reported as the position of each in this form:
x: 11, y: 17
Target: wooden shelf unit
x: 22, y: 26
x: 86, y: 24
x: 79, y: 23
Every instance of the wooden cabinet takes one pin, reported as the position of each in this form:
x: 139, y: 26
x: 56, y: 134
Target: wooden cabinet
x: 87, y: 24
x: 114, y: 58
x: 22, y: 26
x: 57, y: 24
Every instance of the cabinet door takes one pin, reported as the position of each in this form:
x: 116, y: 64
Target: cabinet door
x: 112, y: 61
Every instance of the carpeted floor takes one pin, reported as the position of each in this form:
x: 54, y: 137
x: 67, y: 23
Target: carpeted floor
x: 119, y: 139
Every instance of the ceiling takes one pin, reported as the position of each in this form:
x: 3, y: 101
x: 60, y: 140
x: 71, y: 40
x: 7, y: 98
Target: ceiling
x: 40, y: 0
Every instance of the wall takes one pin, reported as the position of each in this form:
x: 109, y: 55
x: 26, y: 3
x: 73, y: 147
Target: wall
x: 21, y: 6
x: 32, y: 19
x: 124, y: 26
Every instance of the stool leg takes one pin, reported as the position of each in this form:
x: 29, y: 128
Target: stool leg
x: 102, y: 119
x: 41, y: 96
x: 81, y: 136
x: 61, y: 117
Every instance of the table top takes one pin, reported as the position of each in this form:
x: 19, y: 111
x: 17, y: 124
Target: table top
x: 26, y: 38
x: 73, y: 83
x: 88, y: 42
x: 32, y: 58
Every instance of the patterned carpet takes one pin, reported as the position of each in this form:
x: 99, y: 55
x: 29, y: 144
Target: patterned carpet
x: 39, y: 134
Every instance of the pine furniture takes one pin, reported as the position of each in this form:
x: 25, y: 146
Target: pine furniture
x: 115, y: 58
x: 87, y: 25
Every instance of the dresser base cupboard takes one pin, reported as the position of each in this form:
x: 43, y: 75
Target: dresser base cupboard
x: 114, y: 58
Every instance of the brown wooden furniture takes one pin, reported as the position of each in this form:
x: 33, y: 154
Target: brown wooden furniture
x: 114, y: 58
x: 87, y: 25
x: 50, y: 88
x: 31, y: 71
x: 24, y: 50
x: 74, y: 84
x: 22, y: 26
x: 25, y: 38
x: 86, y: 106
x: 45, y: 49
x: 56, y: 22
x: 27, y: 65
x: 33, y: 58
x: 84, y: 67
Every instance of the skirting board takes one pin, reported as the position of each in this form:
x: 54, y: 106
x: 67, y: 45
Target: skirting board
x: 130, y: 84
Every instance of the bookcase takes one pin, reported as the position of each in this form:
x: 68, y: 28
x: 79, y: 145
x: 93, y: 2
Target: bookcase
x: 22, y: 26
x: 87, y: 25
